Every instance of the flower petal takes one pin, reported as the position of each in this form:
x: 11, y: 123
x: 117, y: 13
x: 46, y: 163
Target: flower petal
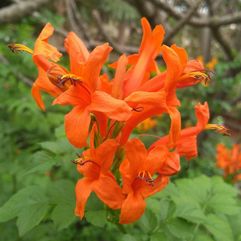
x: 76, y: 95
x: 108, y: 191
x: 132, y: 209
x: 114, y: 108
x: 136, y: 154
x: 82, y: 189
x: 92, y: 67
x: 77, y: 51
x: 77, y: 123
x: 42, y: 47
x: 105, y: 154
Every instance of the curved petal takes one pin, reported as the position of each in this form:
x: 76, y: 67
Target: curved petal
x: 77, y: 123
x: 108, y: 191
x: 174, y: 67
x: 202, y: 115
x: 159, y: 184
x: 37, y: 96
x: 136, y: 118
x: 42, y: 83
x: 148, y: 98
x: 83, y: 190
x: 132, y: 209
x: 114, y: 108
x: 175, y: 126
x: 136, y: 154
x: 75, y: 95
x: 105, y: 154
x: 117, y: 89
x: 150, y: 48
x: 93, y: 65
x: 42, y: 47
x: 77, y: 51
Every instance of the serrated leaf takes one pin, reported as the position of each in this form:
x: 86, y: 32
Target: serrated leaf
x: 96, y: 217
x: 15, y: 204
x: 189, y: 210
x: 63, y: 216
x: 219, y: 228
x: 31, y: 216
x: 62, y: 195
x: 180, y: 228
x: 128, y: 237
x: 148, y: 221
x: 159, y: 236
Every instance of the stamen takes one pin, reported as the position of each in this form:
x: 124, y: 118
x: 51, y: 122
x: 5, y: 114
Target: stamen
x: 15, y: 48
x: 138, y: 109
x: 81, y: 162
x: 70, y: 77
x: 219, y: 128
x: 146, y: 176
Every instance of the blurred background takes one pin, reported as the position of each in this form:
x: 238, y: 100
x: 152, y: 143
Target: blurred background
x: 33, y: 147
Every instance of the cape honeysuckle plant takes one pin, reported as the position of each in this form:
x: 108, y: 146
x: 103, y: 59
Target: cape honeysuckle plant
x: 230, y: 161
x: 121, y: 171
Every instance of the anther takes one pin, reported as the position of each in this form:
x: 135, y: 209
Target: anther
x: 138, y: 109
x: 15, y: 48
x: 219, y: 128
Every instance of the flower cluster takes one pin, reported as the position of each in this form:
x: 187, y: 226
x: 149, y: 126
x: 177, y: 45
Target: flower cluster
x: 121, y: 172
x: 230, y: 161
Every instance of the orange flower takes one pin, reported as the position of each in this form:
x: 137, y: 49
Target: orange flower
x: 187, y: 143
x: 95, y: 166
x: 137, y: 172
x: 85, y: 98
x: 229, y: 160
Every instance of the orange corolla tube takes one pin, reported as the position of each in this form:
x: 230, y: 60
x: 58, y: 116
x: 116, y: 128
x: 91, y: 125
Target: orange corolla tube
x: 186, y: 144
x: 149, y: 49
x: 138, y: 170
x: 95, y: 166
x: 229, y: 160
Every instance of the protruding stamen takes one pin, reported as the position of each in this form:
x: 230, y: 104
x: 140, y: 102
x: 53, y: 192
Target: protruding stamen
x: 138, y: 109
x: 146, y: 176
x: 81, y: 161
x: 219, y: 128
x: 15, y: 48
x: 69, y: 77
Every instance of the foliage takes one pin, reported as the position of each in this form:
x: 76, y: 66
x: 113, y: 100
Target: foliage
x: 37, y: 177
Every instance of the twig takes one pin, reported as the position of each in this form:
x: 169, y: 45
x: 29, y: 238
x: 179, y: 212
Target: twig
x: 223, y: 43
x: 183, y: 22
x: 20, y: 9
x: 201, y: 22
x: 117, y: 48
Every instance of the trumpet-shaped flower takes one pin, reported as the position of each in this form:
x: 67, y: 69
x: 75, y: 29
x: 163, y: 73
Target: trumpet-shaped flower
x: 144, y: 173
x: 95, y: 165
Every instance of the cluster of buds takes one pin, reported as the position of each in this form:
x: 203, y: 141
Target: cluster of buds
x: 121, y: 171
x: 230, y: 161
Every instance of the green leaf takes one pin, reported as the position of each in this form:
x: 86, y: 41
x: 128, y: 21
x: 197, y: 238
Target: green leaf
x: 63, y: 216
x: 159, y: 236
x: 62, y: 195
x: 31, y: 216
x: 96, y: 217
x: 15, y: 204
x: 180, y: 228
x: 128, y: 237
x: 219, y: 228
x: 148, y: 221
x: 189, y: 210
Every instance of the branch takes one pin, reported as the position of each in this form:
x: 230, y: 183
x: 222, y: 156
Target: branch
x: 183, y: 22
x: 201, y: 22
x: 223, y: 43
x: 20, y: 9
x: 117, y: 48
